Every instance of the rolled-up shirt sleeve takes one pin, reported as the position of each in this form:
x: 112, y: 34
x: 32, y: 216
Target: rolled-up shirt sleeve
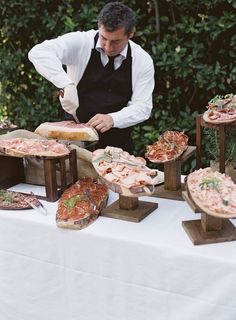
x: 140, y: 106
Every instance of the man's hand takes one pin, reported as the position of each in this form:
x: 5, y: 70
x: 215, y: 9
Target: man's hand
x: 101, y: 122
x: 69, y: 99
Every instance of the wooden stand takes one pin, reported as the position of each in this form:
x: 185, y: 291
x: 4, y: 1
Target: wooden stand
x: 129, y: 209
x: 222, y: 128
x: 172, y: 188
x: 209, y: 229
x: 12, y: 173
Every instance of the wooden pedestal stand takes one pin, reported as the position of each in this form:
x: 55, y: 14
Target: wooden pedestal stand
x: 209, y: 229
x: 172, y: 188
x: 129, y: 209
x: 222, y: 128
x: 12, y: 173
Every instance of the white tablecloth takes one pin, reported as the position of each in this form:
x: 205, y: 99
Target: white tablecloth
x: 113, y: 269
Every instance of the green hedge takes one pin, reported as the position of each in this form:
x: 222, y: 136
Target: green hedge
x: 193, y: 45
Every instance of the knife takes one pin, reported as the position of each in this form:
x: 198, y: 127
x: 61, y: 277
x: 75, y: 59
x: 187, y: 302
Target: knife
x: 40, y: 207
x: 61, y: 94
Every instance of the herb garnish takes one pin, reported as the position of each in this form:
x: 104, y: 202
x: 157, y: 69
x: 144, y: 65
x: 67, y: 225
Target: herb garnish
x: 6, y: 196
x: 70, y: 203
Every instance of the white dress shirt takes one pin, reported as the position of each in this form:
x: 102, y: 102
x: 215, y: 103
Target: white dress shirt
x: 74, y: 49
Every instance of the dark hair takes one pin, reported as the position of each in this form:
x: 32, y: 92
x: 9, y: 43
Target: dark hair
x: 116, y: 15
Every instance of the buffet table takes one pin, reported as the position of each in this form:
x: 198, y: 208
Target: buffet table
x: 113, y: 269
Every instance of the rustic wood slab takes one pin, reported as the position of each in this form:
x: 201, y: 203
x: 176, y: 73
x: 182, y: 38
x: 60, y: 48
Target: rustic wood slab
x: 140, y: 210
x: 198, y: 236
x: 193, y: 205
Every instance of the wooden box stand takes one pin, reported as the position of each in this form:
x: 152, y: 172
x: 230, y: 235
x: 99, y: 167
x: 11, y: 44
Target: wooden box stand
x: 172, y: 188
x: 208, y: 229
x: 12, y: 173
x: 222, y: 128
x: 129, y: 209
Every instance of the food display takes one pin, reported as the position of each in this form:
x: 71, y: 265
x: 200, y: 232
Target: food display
x: 124, y: 173
x: 213, y: 192
x: 11, y: 200
x: 67, y: 130
x: 20, y: 147
x: 169, y: 146
x: 81, y: 204
x: 221, y: 110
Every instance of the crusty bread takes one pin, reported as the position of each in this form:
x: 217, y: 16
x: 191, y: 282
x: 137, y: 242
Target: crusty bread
x: 67, y: 130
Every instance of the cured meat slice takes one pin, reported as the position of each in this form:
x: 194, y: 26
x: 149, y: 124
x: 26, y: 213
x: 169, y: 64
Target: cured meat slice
x: 11, y: 200
x: 124, y: 173
x: 221, y: 110
x: 213, y: 192
x: 20, y: 147
x: 67, y: 130
x: 169, y: 146
x: 81, y: 204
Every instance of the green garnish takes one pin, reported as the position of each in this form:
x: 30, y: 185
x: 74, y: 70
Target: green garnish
x: 209, y: 182
x: 70, y: 203
x: 6, y: 196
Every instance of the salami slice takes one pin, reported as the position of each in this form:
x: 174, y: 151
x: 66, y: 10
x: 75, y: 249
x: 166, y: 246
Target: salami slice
x: 169, y: 146
x: 81, y: 204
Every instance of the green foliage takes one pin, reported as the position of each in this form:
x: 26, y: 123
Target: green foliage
x: 194, y: 54
x: 212, y: 145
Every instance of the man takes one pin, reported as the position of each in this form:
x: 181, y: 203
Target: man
x: 109, y: 79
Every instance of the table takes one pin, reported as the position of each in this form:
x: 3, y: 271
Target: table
x: 113, y: 269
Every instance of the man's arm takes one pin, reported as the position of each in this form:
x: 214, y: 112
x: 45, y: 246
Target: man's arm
x: 72, y: 49
x: 140, y: 106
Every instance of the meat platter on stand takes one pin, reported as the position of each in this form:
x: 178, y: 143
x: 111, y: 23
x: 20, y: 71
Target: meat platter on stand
x: 213, y: 195
x: 13, y: 152
x: 171, y: 150
x: 128, y: 176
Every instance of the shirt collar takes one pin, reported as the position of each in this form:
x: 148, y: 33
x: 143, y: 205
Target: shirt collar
x: 123, y: 53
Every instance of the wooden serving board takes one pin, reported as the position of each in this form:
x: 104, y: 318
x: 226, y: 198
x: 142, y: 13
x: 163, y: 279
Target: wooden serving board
x: 208, y: 229
x: 129, y: 209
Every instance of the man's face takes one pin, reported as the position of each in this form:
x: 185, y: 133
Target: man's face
x: 113, y: 42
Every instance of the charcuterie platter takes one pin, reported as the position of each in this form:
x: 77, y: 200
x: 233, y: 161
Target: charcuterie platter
x: 11, y: 200
x: 213, y: 194
x: 81, y: 204
x: 171, y: 149
x: 21, y: 147
x: 221, y: 110
x: 128, y: 176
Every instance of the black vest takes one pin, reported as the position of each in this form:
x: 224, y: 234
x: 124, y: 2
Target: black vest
x: 103, y: 90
